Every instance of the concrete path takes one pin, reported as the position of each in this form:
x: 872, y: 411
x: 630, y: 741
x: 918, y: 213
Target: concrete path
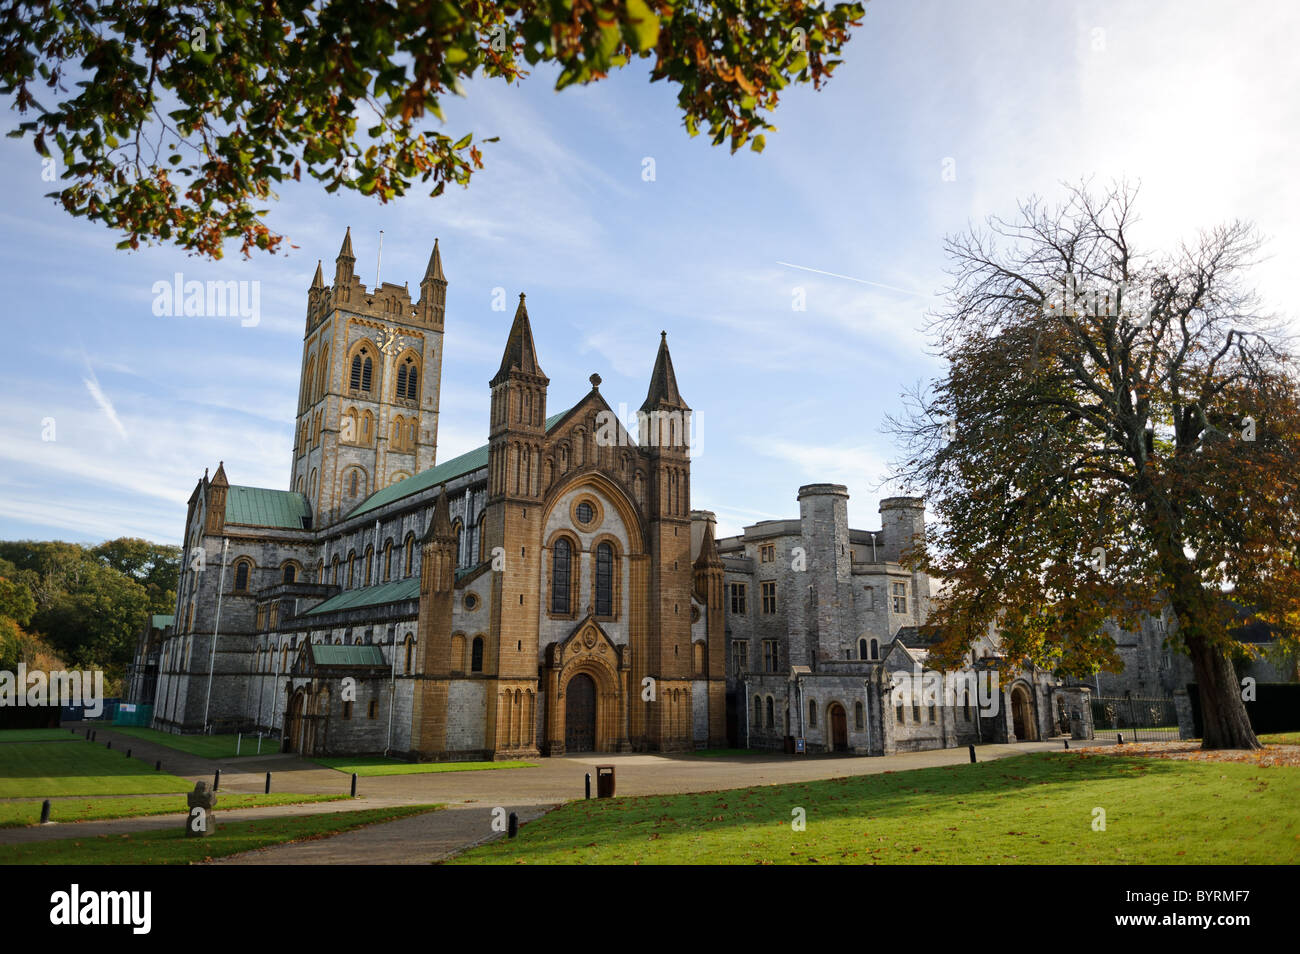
x: 471, y: 796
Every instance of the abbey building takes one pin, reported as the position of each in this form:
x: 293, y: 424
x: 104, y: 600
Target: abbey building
x: 549, y: 592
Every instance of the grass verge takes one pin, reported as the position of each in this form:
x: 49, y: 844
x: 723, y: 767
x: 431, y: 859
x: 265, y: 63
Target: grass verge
x: 1032, y: 809
x: 204, y: 746
x: 37, y: 735
x: 20, y: 814
x: 50, y: 769
x: 172, y: 847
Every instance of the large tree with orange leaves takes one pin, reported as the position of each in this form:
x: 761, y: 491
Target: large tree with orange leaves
x: 173, y: 122
x: 1118, y: 431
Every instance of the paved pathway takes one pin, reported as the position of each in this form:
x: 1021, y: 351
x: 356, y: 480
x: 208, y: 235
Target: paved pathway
x: 470, y: 797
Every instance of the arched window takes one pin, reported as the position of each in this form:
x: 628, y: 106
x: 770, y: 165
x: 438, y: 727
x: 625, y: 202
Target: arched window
x: 459, y: 528
x: 352, y: 484
x: 410, y: 552
x: 352, y: 569
x: 858, y: 717
x: 862, y: 648
x: 476, y: 655
x: 334, y: 567
x: 362, y: 369
x: 388, y: 559
x: 408, y: 379
x: 290, y: 573
x: 410, y: 652
x: 758, y: 711
x: 604, y: 579
x: 771, y: 715
x: 812, y: 713
x: 875, y: 649
x: 243, y: 569
x: 370, y: 559
x: 561, y: 563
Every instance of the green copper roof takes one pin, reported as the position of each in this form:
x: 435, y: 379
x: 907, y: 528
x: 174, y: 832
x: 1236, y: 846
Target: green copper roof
x: 394, y: 592
x: 347, y: 656
x: 448, y: 470
x: 161, y: 622
x: 259, y: 507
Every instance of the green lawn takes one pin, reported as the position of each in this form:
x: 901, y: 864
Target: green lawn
x: 205, y: 746
x: 1281, y: 738
x: 378, y: 765
x: 172, y: 847
x: 49, y: 769
x: 19, y: 814
x: 37, y: 735
x: 1033, y: 809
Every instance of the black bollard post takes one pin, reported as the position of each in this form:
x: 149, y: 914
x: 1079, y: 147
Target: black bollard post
x: 87, y: 733
x: 1119, y: 738
x: 354, y: 784
x: 972, y: 753
x: 268, y: 783
x: 128, y: 753
x: 514, y: 825
x: 45, y: 812
x: 589, y: 785
x: 216, y: 780
x: 1067, y: 743
x: 157, y: 766
x: 92, y: 736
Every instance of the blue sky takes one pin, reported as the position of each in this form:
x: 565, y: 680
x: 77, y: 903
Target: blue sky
x: 1198, y: 101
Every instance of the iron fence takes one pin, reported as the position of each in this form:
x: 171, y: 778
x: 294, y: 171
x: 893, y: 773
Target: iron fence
x: 1138, y: 718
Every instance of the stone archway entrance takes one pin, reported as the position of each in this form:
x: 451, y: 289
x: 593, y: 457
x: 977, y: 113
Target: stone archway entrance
x: 839, y: 728
x: 580, y: 714
x: 1022, y: 714
x: 294, y: 723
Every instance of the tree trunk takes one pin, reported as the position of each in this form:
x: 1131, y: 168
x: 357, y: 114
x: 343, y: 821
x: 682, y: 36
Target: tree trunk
x: 1224, y: 722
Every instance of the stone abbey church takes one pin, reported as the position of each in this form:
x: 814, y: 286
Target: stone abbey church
x: 550, y: 592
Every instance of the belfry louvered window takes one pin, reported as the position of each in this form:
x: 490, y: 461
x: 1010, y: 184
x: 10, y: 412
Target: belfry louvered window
x: 362, y: 368
x: 561, y: 563
x: 604, y: 580
x: 408, y: 381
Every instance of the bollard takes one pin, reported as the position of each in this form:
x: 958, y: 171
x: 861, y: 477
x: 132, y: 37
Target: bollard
x: 354, y: 784
x: 45, y: 812
x: 92, y: 736
x: 128, y: 753
x: 1067, y: 743
x: 88, y: 733
x: 972, y: 754
x: 216, y: 780
x: 1119, y: 738
x: 589, y: 785
x: 268, y: 783
x: 110, y: 743
x: 157, y: 766
x: 511, y: 831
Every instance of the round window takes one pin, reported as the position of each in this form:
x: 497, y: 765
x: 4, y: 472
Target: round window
x: 585, y: 513
x: 471, y: 601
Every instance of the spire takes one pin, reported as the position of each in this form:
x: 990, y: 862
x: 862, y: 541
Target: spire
x: 708, y: 557
x: 440, y: 526
x: 346, y: 250
x: 663, y: 382
x: 434, y: 271
x: 219, y: 478
x: 319, y: 280
x: 521, y: 353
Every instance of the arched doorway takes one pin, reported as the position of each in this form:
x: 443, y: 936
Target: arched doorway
x: 1022, y: 714
x: 839, y: 728
x: 293, y: 724
x: 580, y: 714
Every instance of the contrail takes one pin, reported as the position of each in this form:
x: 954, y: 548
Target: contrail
x: 105, y: 405
x: 860, y: 281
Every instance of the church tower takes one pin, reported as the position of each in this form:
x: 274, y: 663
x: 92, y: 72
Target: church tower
x: 513, y: 519
x: 664, y: 425
x: 368, y: 397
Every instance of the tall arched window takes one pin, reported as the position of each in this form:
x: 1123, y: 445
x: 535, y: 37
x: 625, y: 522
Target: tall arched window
x: 370, y: 560
x: 290, y: 573
x: 362, y: 369
x: 410, y: 652
x: 388, y: 559
x: 858, y: 718
x: 758, y: 711
x: 604, y: 580
x: 408, y: 379
x: 352, y: 569
x: 875, y: 649
x: 812, y: 713
x: 410, y: 552
x: 561, y: 565
x: 334, y: 567
x: 771, y: 715
x: 476, y: 655
x: 862, y: 648
x: 243, y: 569
x: 352, y: 484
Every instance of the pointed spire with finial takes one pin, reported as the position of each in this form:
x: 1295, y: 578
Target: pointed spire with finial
x: 521, y: 353
x: 343, y: 266
x: 663, y: 382
x: 708, y: 558
x: 319, y: 281
x: 433, y: 272
x: 219, y: 478
x: 346, y: 250
x: 440, y: 530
